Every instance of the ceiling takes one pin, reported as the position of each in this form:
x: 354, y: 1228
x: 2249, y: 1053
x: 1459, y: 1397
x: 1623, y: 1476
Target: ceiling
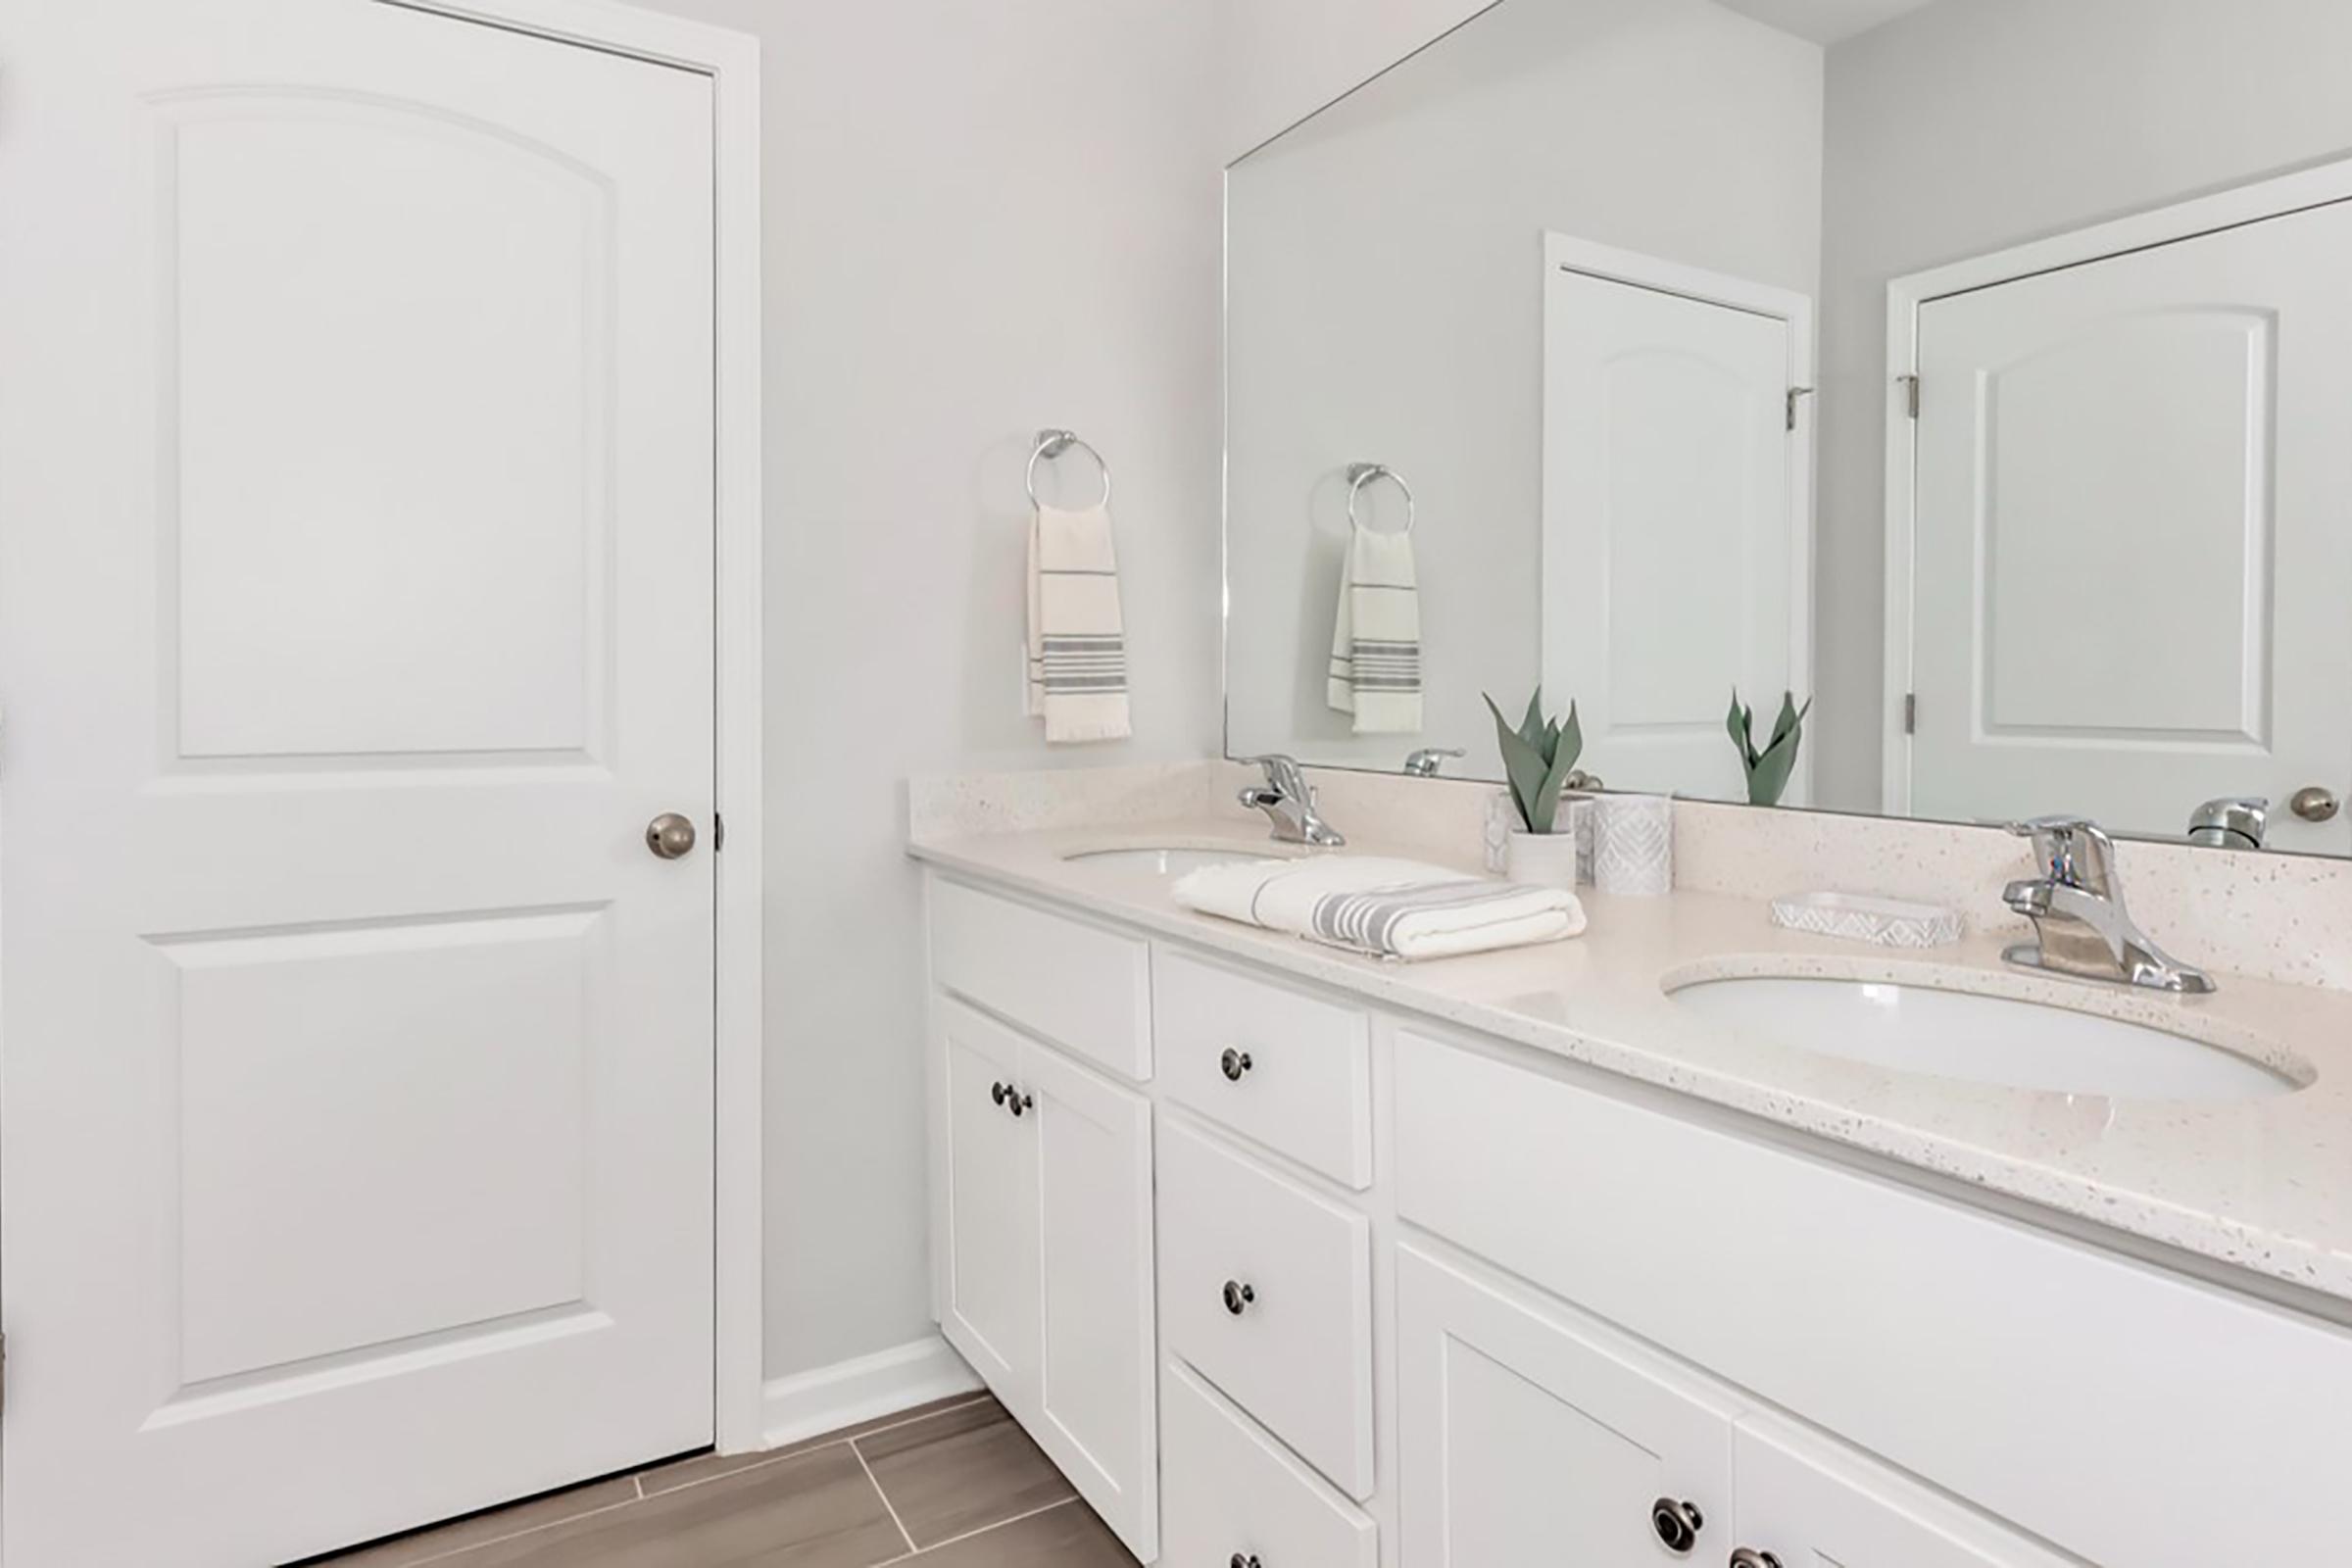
x: 1825, y: 22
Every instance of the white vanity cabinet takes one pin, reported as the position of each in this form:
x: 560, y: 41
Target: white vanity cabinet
x: 1363, y: 1292
x: 1041, y: 1235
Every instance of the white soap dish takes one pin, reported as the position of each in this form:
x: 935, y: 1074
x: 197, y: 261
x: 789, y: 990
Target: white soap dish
x: 1857, y: 918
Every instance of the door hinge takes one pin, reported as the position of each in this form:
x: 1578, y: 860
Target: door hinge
x: 1910, y: 386
x: 718, y: 832
x: 1794, y: 393
x: 1910, y: 713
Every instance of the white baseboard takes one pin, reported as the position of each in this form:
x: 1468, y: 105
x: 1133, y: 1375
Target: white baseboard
x: 808, y: 1404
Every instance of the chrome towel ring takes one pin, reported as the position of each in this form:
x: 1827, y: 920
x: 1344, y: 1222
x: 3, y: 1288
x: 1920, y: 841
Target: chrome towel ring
x: 1052, y: 443
x: 1360, y: 474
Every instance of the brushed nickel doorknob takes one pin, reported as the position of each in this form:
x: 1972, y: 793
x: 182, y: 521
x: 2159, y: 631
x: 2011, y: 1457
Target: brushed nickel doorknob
x: 669, y: 835
x: 2315, y: 805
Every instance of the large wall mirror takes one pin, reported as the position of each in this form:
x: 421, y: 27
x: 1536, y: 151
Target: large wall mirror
x: 1977, y: 372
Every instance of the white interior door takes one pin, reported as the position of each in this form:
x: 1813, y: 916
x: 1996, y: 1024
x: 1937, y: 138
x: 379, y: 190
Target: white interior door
x: 355, y: 615
x: 2132, y: 560
x: 1672, y: 548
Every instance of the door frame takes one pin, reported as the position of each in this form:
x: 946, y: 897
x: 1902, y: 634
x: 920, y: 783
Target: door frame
x: 731, y: 60
x: 2279, y: 196
x: 1567, y: 253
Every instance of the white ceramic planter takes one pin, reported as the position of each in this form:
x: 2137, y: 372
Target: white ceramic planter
x: 1546, y: 859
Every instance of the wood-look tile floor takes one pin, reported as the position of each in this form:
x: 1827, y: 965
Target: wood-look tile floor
x: 951, y: 1485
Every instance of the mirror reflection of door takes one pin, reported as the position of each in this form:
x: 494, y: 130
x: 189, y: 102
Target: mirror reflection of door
x: 2131, y: 568
x: 1676, y: 535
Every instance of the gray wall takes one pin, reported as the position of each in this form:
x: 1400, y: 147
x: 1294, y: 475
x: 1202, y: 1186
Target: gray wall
x: 1976, y: 125
x: 1386, y: 296
x: 980, y: 218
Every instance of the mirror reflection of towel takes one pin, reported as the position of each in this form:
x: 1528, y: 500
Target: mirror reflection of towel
x: 1376, y: 638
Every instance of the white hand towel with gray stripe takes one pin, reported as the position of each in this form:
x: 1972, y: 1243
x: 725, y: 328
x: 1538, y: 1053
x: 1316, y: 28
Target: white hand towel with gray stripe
x: 1376, y: 641
x: 1389, y: 909
x: 1077, y: 650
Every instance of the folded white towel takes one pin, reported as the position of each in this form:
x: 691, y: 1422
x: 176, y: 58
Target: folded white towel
x: 1392, y: 909
x: 1376, y: 637
x: 1077, y: 649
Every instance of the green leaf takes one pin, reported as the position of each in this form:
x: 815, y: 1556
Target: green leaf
x: 1768, y: 780
x: 1530, y: 729
x: 1521, y: 766
x: 1737, y: 723
x: 1571, y: 741
x: 1548, y: 804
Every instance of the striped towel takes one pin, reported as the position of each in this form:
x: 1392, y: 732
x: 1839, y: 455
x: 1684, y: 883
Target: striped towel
x: 1376, y: 639
x: 1390, y: 909
x: 1077, y: 653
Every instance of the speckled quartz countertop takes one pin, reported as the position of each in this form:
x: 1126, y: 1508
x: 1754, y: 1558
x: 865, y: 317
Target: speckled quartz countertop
x: 2263, y: 1185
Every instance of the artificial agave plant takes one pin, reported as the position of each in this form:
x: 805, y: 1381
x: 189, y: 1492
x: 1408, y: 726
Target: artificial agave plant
x: 1538, y: 757
x: 1768, y: 770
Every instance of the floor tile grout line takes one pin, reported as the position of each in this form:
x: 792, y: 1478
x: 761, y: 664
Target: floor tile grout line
x: 942, y: 1545
x: 455, y: 1553
x: 808, y: 1445
x: 791, y: 1451
x: 888, y: 1506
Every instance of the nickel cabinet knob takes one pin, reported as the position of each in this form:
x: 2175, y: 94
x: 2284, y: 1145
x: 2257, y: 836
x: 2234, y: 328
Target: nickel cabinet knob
x: 1677, y: 1524
x: 1234, y: 1063
x: 1239, y: 1298
x: 1244, y: 1560
x: 1747, y: 1558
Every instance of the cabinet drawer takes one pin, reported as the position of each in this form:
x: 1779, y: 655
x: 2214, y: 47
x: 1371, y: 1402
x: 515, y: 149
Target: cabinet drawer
x: 1267, y: 1288
x: 1085, y: 988
x: 1234, y: 1496
x: 1290, y: 1071
x: 2052, y: 1384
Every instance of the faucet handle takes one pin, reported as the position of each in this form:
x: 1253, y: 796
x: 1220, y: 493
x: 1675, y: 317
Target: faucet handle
x: 1282, y: 771
x: 2073, y: 850
x: 1425, y: 762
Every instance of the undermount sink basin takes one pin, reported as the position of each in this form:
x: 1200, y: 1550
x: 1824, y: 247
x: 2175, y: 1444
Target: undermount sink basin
x: 1165, y: 859
x: 1986, y: 1040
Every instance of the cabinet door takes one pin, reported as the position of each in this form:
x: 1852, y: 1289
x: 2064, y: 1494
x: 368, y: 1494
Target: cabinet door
x: 1097, y: 1396
x: 987, y: 1261
x: 1528, y: 1438
x: 1804, y: 1503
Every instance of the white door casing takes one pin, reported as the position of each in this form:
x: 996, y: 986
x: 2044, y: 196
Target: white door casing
x: 1677, y: 512
x: 2129, y: 560
x: 356, y: 613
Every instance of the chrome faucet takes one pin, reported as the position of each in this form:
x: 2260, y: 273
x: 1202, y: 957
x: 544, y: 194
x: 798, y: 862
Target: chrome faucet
x: 2232, y: 822
x: 1289, y: 799
x: 2081, y: 926
x: 1425, y: 762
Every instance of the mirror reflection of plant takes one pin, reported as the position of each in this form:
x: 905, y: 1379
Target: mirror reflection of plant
x: 1537, y: 757
x: 1768, y: 770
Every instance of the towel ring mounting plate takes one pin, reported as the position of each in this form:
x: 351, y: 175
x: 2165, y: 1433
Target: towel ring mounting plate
x: 1360, y: 474
x: 1052, y: 443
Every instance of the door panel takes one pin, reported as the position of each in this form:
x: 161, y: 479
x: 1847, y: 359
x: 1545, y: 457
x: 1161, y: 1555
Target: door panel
x: 355, y: 617
x: 989, y: 1297
x: 1526, y: 1442
x: 1811, y: 1506
x: 1666, y: 481
x: 2129, y: 567
x: 1097, y: 1396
